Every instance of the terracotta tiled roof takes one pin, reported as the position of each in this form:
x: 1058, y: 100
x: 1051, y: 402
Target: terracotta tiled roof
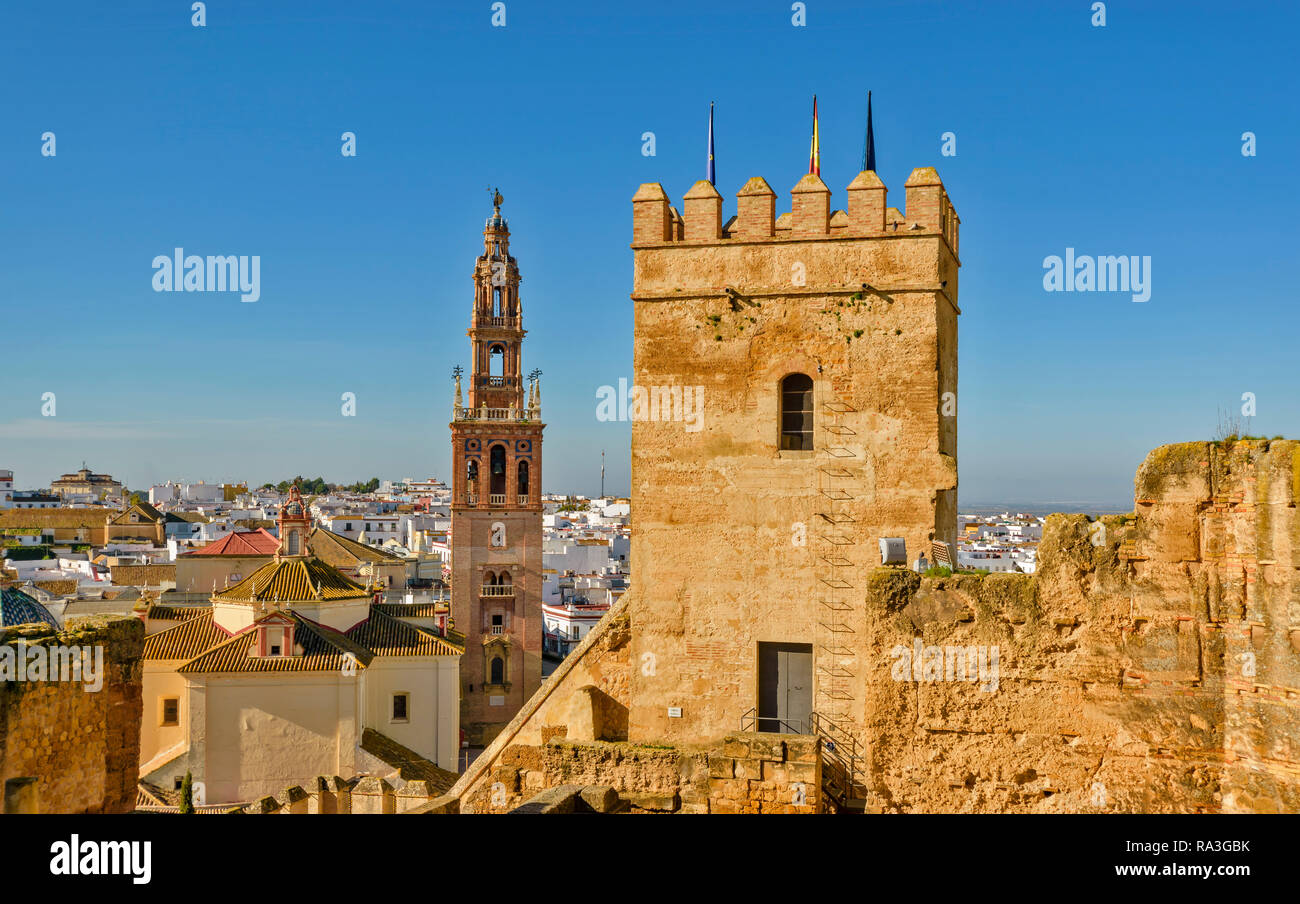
x: 151, y: 795
x: 176, y: 613
x: 411, y: 610
x: 410, y: 765
x: 388, y: 636
x: 240, y: 543
x: 54, y: 517
x: 186, y: 640
x: 187, y: 518
x: 146, y: 511
x: 323, y: 650
x: 142, y: 575
x: 57, y: 587
x: 293, y: 580
x: 341, y: 552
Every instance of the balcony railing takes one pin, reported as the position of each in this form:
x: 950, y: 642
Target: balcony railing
x: 497, y: 590
x: 523, y: 500
x: 463, y: 413
x: 498, y: 629
x: 497, y: 499
x: 508, y: 322
x: 471, y: 499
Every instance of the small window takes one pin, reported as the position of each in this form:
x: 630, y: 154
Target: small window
x: 177, y: 782
x: 400, y: 707
x: 171, y: 711
x: 498, y: 673
x: 797, y: 413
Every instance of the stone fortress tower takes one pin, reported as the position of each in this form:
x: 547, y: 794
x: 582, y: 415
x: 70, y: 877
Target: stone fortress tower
x: 825, y: 343
x: 496, y: 516
x: 796, y: 379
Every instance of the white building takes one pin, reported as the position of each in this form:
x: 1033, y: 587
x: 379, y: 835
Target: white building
x: 6, y: 489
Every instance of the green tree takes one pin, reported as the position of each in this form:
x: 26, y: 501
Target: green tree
x: 187, y: 793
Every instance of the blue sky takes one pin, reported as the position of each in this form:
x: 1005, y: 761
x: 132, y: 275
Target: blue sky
x: 226, y: 140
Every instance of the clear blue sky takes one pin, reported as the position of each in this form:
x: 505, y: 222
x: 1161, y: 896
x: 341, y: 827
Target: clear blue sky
x: 225, y: 140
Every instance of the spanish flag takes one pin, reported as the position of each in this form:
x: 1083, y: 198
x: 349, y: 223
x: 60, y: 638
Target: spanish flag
x: 815, y: 152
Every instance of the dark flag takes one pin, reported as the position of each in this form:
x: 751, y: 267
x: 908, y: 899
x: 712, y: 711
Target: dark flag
x: 869, y: 147
x: 711, y: 173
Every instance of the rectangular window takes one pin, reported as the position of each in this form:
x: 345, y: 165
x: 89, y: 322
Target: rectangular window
x: 400, y: 707
x: 171, y: 711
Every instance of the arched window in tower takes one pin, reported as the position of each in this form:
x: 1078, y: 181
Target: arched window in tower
x: 496, y: 363
x: 471, y: 477
x: 498, y: 471
x: 797, y: 413
x: 497, y: 675
x: 294, y: 543
x: 523, y: 479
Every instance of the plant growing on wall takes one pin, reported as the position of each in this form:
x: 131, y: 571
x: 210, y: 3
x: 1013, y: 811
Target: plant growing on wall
x: 187, y: 793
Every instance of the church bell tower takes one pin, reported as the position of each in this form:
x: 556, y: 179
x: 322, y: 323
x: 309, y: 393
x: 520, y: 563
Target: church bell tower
x: 496, y: 515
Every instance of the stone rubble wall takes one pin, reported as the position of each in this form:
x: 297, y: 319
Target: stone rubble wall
x: 82, y: 747
x: 743, y: 773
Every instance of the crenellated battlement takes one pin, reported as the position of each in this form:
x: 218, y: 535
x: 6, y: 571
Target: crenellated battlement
x: 929, y: 211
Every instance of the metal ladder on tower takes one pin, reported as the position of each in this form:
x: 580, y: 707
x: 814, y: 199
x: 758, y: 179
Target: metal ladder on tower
x: 841, y: 594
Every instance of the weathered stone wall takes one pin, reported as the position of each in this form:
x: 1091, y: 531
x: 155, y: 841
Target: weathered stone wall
x: 82, y: 746
x: 728, y: 546
x: 741, y: 773
x: 1151, y: 665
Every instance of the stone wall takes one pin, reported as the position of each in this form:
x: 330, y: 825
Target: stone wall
x: 82, y: 746
x: 737, y: 539
x: 742, y: 773
x: 1151, y: 665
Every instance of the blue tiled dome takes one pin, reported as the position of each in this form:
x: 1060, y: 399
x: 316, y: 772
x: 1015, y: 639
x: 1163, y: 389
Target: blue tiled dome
x: 17, y: 608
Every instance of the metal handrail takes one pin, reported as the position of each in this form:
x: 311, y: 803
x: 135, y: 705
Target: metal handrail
x: 751, y: 719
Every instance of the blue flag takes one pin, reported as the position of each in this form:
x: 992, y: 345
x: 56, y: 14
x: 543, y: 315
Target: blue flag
x: 869, y: 147
x: 711, y: 174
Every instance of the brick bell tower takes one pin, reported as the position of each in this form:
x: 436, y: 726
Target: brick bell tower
x: 496, y: 514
